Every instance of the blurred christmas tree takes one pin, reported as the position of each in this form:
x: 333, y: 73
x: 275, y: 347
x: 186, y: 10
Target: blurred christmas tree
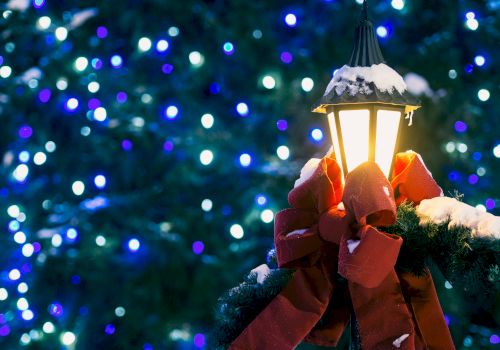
x: 146, y: 145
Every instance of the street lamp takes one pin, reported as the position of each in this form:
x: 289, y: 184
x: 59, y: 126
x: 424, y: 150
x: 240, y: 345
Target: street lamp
x: 365, y: 102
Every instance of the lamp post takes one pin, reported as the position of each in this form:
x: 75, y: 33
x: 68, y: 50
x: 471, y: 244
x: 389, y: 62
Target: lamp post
x: 365, y: 102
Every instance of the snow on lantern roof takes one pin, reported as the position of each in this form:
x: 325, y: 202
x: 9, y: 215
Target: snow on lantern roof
x: 366, y: 79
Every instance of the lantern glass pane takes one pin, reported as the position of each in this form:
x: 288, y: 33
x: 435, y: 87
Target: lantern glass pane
x: 355, y: 128
x: 335, y: 137
x: 387, y: 133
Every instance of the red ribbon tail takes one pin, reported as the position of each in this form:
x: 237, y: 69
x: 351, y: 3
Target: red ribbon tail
x: 291, y: 315
x: 382, y: 315
x: 422, y: 298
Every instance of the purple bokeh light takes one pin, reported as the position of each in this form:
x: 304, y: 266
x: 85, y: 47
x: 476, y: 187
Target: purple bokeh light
x: 199, y: 340
x: 198, y: 247
x: 102, y: 32
x: 473, y: 179
x: 282, y: 124
x: 4, y: 330
x: 44, y: 95
x: 37, y: 247
x: 460, y: 126
x: 94, y: 103
x: 490, y: 203
x: 38, y: 3
x: 25, y: 132
x: 168, y: 146
x: 286, y: 57
x: 26, y: 268
x: 127, y: 145
x: 167, y: 68
x: 121, y: 97
x: 109, y: 329
x: 56, y: 309
x: 148, y: 346
x: 96, y: 63
x: 494, y: 339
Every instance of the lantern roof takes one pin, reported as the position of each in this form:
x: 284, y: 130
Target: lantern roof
x: 366, y: 78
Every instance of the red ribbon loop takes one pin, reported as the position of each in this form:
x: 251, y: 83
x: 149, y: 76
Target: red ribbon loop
x: 387, y: 305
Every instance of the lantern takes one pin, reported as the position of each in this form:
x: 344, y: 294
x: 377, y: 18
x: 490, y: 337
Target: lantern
x: 365, y: 103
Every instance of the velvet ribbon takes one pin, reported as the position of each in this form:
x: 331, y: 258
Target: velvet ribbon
x: 331, y: 228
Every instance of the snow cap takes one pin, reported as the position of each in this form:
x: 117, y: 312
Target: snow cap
x: 366, y: 78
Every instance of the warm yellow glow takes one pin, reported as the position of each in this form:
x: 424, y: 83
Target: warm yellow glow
x: 387, y: 133
x: 335, y: 137
x: 355, y: 127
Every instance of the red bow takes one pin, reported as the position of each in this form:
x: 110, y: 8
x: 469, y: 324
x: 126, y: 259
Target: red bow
x: 318, y: 237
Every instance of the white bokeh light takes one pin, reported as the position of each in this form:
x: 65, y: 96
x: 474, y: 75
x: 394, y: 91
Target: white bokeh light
x: 307, y: 84
x: 206, y: 157
x: 267, y: 216
x: 237, y: 231
x: 206, y: 205
x: 144, y: 44
x: 268, y: 82
x: 283, y: 152
x: 207, y: 120
x: 78, y: 188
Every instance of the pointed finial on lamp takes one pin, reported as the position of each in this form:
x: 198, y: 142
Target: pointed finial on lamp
x: 366, y: 51
x: 364, y: 12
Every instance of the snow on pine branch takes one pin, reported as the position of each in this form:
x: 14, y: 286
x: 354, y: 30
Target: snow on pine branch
x: 356, y: 79
x: 440, y: 210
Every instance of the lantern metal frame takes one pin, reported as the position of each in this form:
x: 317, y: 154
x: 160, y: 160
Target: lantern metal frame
x: 366, y: 53
x: 373, y: 108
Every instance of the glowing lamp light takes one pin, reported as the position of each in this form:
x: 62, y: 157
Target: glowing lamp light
x: 365, y: 119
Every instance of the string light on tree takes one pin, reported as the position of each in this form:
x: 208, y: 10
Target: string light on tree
x: 398, y: 4
x: 43, y: 23
x: 242, y: 109
x: 483, y: 95
x: 245, y: 160
x: 307, y: 84
x: 78, y: 187
x: 283, y: 152
x: 237, y: 231
x: 100, y: 181
x: 67, y: 338
x: 171, y: 112
x: 61, y: 33
x: 81, y: 63
x: 268, y: 82
x: 267, y: 216
x: 291, y: 20
x: 196, y: 59
x: 207, y: 121
x: 206, y: 157
x: 134, y: 245
x: 144, y: 44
